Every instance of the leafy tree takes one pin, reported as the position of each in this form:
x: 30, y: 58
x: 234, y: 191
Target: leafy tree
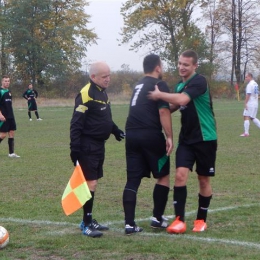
x: 4, y: 38
x: 49, y: 38
x: 164, y: 27
x: 211, y: 17
x: 236, y: 23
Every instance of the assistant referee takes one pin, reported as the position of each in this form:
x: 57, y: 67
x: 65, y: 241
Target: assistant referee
x: 91, y: 125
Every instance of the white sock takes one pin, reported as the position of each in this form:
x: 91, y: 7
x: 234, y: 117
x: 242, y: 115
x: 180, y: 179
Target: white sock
x: 256, y: 122
x: 246, y: 126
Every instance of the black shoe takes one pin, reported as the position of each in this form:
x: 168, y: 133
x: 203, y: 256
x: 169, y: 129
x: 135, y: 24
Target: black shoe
x: 129, y: 230
x: 90, y: 231
x: 155, y: 223
x: 98, y: 226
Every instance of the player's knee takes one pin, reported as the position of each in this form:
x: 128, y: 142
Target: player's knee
x: 132, y: 184
x: 181, y: 178
x: 164, y: 181
x: 92, y: 185
x: 3, y: 136
x: 204, y: 182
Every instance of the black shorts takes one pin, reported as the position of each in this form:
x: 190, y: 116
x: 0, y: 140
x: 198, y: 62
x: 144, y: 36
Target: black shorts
x: 8, y: 125
x: 203, y: 154
x: 146, y: 154
x: 92, y: 158
x: 32, y: 106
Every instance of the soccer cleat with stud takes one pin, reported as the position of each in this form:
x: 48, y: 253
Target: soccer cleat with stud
x: 98, y: 226
x: 13, y: 155
x: 129, y: 230
x: 90, y: 231
x: 39, y: 119
x: 177, y: 226
x: 199, y: 225
x: 155, y: 223
x: 244, y: 135
x: 30, y: 119
x: 95, y: 224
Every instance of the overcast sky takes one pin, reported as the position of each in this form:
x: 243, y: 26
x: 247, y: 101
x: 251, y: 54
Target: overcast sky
x: 107, y: 21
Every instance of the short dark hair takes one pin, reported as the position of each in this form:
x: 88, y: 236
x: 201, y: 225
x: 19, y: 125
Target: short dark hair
x: 5, y: 77
x: 250, y: 74
x: 150, y: 62
x: 191, y: 54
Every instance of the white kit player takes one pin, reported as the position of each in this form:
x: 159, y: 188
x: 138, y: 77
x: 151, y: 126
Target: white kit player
x: 251, y: 104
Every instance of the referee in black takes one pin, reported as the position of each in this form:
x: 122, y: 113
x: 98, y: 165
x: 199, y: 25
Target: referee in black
x: 91, y: 125
x: 147, y: 147
x: 30, y: 95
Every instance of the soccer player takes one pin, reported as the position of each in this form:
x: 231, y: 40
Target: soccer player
x: 147, y: 147
x: 7, y: 120
x: 251, y: 104
x: 197, y: 140
x: 91, y: 125
x: 30, y: 95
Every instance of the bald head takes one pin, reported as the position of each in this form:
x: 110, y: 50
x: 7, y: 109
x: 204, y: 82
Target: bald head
x: 99, y: 73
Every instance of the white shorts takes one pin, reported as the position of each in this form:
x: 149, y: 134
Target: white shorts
x: 251, y: 112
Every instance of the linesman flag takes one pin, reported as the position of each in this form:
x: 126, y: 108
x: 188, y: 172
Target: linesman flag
x: 76, y: 193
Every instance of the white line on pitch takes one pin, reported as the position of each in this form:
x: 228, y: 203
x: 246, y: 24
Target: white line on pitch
x: 183, y: 236
x: 194, y: 212
x: 47, y: 222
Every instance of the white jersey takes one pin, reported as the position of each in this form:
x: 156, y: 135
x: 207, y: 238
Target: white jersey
x: 252, y: 90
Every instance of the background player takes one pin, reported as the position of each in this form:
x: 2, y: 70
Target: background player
x: 7, y: 120
x: 30, y: 95
x: 251, y: 104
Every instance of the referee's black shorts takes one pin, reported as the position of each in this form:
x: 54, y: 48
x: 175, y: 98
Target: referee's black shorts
x: 146, y: 154
x: 92, y: 156
x: 8, y: 125
x: 202, y: 153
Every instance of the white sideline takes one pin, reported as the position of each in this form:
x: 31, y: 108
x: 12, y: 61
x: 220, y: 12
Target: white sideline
x: 184, y: 236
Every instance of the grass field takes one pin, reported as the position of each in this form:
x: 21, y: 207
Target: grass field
x: 32, y: 186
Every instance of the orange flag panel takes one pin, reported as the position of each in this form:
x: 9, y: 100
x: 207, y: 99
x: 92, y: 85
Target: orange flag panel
x: 76, y: 193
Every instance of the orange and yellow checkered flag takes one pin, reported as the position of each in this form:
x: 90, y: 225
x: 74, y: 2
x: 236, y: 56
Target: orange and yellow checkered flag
x: 77, y: 193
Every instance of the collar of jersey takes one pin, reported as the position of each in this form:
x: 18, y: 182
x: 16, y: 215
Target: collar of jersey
x: 97, y: 86
x: 181, y: 85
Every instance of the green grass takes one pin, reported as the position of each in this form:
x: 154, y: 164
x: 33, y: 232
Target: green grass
x: 32, y: 186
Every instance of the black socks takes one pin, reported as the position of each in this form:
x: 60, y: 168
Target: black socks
x: 87, y: 210
x: 160, y: 198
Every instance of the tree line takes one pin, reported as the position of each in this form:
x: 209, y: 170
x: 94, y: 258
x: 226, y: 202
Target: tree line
x: 45, y: 41
x: 225, y: 35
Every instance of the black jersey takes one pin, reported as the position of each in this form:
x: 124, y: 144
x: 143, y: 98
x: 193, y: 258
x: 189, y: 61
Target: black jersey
x: 6, y: 107
x: 197, y: 117
x: 30, y: 93
x: 92, y: 115
x: 143, y: 112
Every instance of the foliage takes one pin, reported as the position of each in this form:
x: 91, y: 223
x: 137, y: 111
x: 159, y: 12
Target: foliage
x: 47, y: 38
x: 164, y: 27
x: 235, y: 31
x: 123, y: 81
x: 5, y: 52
